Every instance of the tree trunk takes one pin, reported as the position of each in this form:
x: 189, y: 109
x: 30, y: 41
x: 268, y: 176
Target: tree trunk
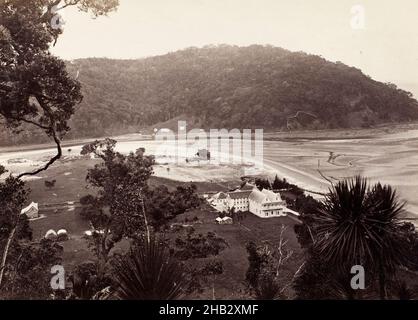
x: 213, y: 289
x: 5, y: 253
x: 145, y: 220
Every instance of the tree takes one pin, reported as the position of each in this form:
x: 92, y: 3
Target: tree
x: 163, y: 205
x: 85, y: 281
x: 287, y: 83
x: 124, y: 204
x: 231, y: 212
x: 198, y: 252
x: 25, y: 265
x: 262, y: 184
x: 357, y: 224
x: 198, y: 246
x: 212, y: 269
x: 240, y: 216
x: 35, y: 88
x: 28, y: 272
x: 266, y: 278
x: 318, y: 280
x: 149, y: 272
x: 118, y: 208
x: 13, y: 195
x: 279, y: 184
x: 409, y: 236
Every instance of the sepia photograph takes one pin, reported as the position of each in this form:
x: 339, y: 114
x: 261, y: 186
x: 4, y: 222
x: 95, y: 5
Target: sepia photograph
x: 220, y: 152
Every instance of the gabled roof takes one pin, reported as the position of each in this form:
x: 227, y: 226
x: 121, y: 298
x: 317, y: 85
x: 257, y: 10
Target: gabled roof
x: 271, y: 196
x: 32, y: 206
x: 220, y: 195
x: 257, y: 196
x: 264, y: 196
x: 239, y: 194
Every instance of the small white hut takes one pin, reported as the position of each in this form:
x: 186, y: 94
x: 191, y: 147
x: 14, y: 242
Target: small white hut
x: 51, y: 235
x: 227, y: 220
x: 31, y: 211
x: 224, y: 220
x: 62, y: 235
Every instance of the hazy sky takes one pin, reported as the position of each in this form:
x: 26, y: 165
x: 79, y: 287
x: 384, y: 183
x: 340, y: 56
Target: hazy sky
x: 386, y: 48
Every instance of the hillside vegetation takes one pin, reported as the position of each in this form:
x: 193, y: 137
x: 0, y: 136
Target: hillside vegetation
x: 233, y: 87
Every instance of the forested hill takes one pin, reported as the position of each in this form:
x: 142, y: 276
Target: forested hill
x: 232, y: 87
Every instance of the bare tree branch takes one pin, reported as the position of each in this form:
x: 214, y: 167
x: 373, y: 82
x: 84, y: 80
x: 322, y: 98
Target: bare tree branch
x: 49, y: 163
x: 6, y: 252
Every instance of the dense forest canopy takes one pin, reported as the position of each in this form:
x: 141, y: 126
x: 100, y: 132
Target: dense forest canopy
x: 232, y: 87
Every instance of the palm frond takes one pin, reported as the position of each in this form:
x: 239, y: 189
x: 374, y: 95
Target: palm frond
x: 358, y: 225
x: 149, y: 272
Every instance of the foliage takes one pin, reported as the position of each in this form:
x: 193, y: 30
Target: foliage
x: 163, y: 205
x: 117, y: 210
x: 358, y: 225
x: 409, y: 239
x: 124, y: 205
x: 13, y: 225
x: 86, y: 281
x: 149, y: 272
x: 318, y: 280
x: 198, y: 253
x: 35, y: 92
x: 198, y: 246
x: 263, y: 184
x: 266, y: 278
x: 13, y: 195
x: 232, y: 87
x: 28, y: 271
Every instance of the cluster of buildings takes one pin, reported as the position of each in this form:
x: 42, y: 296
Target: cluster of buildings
x: 264, y: 204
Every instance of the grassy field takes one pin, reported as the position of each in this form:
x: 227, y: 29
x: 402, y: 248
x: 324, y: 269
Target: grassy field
x: 229, y: 285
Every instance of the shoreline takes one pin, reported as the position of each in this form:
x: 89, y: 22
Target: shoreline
x: 308, y: 134
x: 294, y: 160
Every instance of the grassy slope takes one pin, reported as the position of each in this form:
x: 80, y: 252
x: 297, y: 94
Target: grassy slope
x: 69, y: 187
x: 228, y: 285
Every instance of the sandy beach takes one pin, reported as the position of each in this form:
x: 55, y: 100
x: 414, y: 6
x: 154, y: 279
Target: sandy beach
x: 311, y: 164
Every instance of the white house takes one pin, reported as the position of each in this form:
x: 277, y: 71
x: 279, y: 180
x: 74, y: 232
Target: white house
x: 265, y: 204
x: 31, y: 211
x: 220, y: 201
x: 239, y: 200
x: 218, y: 220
